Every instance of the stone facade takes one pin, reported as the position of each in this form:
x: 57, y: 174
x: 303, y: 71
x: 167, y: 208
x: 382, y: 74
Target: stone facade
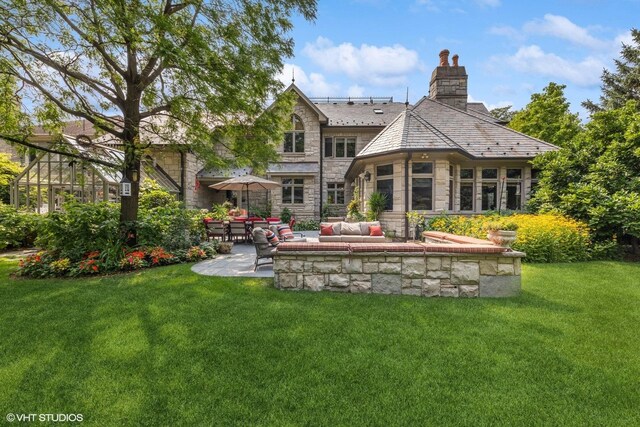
x: 428, y: 275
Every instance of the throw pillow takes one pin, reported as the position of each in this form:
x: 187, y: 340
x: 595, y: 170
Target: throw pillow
x: 285, y: 232
x: 272, y: 238
x: 326, y: 230
x: 375, y: 230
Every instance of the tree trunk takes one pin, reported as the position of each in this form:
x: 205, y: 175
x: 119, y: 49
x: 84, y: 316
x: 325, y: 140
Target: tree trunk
x: 129, y: 204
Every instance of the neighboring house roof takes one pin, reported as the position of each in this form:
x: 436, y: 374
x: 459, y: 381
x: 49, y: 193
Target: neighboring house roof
x: 431, y: 125
x: 293, y: 168
x: 359, y: 113
x: 71, y: 128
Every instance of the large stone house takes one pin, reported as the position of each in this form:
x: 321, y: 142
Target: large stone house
x: 443, y: 154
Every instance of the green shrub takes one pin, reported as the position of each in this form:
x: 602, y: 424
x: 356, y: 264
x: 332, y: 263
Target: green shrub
x: 544, y: 237
x: 377, y: 204
x: 18, y: 228
x: 81, y: 228
x: 285, y: 215
x: 307, y: 225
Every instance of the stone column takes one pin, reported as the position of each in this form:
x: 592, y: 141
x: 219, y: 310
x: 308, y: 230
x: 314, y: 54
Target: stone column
x: 441, y: 185
x: 478, y: 180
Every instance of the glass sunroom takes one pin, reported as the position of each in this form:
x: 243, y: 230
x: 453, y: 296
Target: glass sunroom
x: 42, y: 186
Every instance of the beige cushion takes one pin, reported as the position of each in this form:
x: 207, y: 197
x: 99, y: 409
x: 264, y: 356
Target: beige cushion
x: 373, y: 239
x: 350, y: 228
x: 364, y: 227
x: 337, y: 226
x: 330, y: 238
x: 351, y: 239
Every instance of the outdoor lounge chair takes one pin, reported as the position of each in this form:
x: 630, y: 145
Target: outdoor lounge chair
x: 264, y: 250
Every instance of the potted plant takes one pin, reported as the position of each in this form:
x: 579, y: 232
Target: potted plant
x: 353, y: 208
x: 414, y: 219
x: 225, y: 247
x: 501, y: 232
x: 377, y: 204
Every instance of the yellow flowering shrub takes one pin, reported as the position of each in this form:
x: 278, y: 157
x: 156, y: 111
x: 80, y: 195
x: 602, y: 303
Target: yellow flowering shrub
x: 543, y: 237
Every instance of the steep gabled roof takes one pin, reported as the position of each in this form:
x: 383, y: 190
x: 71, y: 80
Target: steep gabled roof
x: 321, y: 116
x: 431, y: 125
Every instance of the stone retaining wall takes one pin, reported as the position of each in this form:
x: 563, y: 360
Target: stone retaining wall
x: 420, y: 274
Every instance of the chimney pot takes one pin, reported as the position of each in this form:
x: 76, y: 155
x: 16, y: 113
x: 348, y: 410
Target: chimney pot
x: 455, y: 60
x: 444, y: 58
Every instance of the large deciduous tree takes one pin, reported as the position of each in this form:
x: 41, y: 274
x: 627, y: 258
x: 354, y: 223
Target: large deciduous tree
x: 623, y: 84
x: 194, y: 73
x: 547, y: 117
x: 596, y: 177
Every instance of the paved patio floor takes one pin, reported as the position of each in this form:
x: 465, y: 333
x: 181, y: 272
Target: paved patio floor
x: 239, y: 263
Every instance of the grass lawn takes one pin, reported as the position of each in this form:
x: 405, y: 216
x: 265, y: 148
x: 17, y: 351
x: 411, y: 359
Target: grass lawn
x: 168, y: 347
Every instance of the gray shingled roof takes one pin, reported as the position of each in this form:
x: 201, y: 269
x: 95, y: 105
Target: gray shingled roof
x: 360, y: 113
x: 431, y: 125
x: 293, y: 168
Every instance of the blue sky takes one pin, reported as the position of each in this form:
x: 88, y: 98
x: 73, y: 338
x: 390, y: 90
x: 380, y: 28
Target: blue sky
x: 510, y: 48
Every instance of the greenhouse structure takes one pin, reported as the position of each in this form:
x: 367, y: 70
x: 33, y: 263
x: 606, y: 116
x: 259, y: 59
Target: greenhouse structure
x: 50, y: 177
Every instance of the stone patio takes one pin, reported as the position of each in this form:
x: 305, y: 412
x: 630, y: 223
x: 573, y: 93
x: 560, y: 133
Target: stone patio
x: 239, y: 263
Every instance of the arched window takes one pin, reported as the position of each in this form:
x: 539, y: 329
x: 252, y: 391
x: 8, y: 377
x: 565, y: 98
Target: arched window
x: 294, y: 139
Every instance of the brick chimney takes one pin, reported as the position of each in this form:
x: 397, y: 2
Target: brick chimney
x: 449, y: 83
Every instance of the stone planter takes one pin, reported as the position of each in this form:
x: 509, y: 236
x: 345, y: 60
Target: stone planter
x: 225, y: 247
x: 504, y: 238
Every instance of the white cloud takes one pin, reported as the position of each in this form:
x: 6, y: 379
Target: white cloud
x: 313, y: 84
x: 376, y: 65
x: 355, y: 91
x: 532, y: 59
x: 562, y: 28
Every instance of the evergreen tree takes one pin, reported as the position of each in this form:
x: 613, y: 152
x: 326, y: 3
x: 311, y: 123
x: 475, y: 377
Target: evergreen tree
x: 623, y: 84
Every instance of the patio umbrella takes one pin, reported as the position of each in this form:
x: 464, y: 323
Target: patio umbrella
x: 247, y: 182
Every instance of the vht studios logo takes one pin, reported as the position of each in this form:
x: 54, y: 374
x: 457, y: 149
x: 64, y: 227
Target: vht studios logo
x: 52, y: 418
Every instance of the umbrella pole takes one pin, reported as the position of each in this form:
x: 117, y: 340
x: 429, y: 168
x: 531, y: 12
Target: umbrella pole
x: 248, y: 207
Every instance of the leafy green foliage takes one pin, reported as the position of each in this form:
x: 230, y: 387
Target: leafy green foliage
x: 285, y: 215
x: 621, y: 85
x: 597, y: 177
x: 547, y: 117
x: 80, y: 229
x: 544, y: 238
x: 196, y: 74
x: 504, y: 114
x: 17, y: 228
x: 8, y: 171
x: 377, y: 203
x: 353, y: 208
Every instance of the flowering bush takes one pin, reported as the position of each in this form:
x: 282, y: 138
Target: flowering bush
x: 36, y: 265
x: 133, y: 261
x: 195, y: 254
x: 543, y: 237
x: 158, y: 256
x: 61, y: 267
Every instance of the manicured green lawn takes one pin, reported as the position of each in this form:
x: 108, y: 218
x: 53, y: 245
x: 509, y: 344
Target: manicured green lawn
x: 168, y: 347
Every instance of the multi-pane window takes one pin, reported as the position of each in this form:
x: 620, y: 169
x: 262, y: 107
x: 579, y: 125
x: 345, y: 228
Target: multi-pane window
x: 422, y: 186
x: 451, y: 187
x: 340, y: 147
x: 335, y: 193
x: 466, y: 189
x: 384, y: 183
x: 489, y: 189
x: 514, y: 189
x: 294, y: 139
x: 535, y: 175
x: 292, y: 190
